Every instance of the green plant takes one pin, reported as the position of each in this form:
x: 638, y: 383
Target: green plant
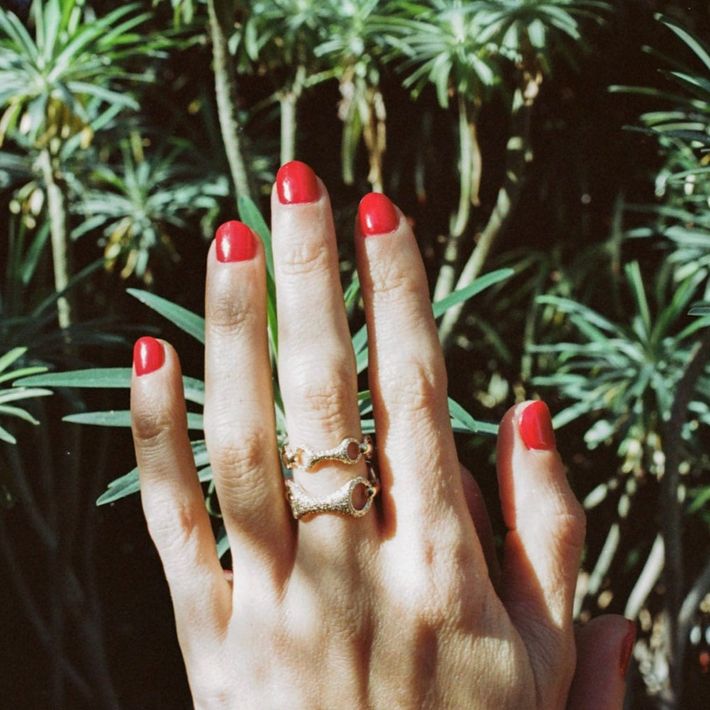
x: 75, y: 62
x: 683, y: 133
x: 16, y: 394
x: 136, y: 202
x: 470, y: 51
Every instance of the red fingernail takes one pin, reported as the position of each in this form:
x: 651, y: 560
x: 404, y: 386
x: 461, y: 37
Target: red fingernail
x: 536, y: 427
x: 235, y: 242
x: 377, y: 214
x: 148, y: 355
x: 627, y: 646
x: 296, y: 183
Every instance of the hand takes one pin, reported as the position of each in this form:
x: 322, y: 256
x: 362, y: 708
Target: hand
x: 403, y: 607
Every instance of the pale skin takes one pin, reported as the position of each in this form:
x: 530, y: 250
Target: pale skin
x: 407, y: 606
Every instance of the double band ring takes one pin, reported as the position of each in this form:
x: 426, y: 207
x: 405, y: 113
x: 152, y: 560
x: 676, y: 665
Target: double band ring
x: 341, y: 501
x: 348, y: 451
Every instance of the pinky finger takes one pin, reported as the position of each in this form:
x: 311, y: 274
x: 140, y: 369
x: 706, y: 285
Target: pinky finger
x: 604, y: 647
x: 172, y: 497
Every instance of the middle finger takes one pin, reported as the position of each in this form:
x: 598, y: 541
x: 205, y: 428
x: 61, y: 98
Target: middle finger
x: 316, y: 361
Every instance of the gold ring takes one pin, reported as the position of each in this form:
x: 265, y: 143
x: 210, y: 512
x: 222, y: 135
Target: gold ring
x: 348, y: 451
x: 340, y: 502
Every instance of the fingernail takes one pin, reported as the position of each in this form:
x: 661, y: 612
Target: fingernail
x: 235, y: 242
x: 377, y: 214
x: 627, y: 646
x: 536, y: 427
x: 148, y: 355
x: 296, y: 183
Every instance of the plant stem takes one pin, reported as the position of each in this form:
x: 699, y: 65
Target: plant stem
x: 225, y: 80
x: 288, y: 100
x: 646, y: 581
x: 517, y: 156
x: 374, y: 128
x: 470, y: 180
x: 288, y: 103
x: 58, y: 231
x: 671, y: 517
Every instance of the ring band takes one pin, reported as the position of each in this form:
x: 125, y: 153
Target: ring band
x: 341, y: 501
x: 348, y: 451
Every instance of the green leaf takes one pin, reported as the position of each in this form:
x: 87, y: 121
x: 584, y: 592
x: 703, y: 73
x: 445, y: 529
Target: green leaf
x: 106, y: 378
x: 465, y: 422
x: 250, y: 215
x: 187, y: 321
x: 6, y: 436
x: 97, y: 378
x: 129, y: 483
x: 474, y: 288
x: 122, y: 418
x: 11, y: 356
x: 22, y: 372
x: 18, y: 412
x: 22, y: 393
x: 688, y: 38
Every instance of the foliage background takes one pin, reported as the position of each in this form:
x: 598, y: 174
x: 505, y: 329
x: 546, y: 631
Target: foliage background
x: 142, y: 194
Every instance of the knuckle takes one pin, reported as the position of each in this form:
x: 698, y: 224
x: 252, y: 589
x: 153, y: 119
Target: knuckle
x: 150, y: 426
x: 389, y: 280
x: 174, y: 528
x: 325, y: 393
x: 239, y: 457
x: 571, y: 525
x: 304, y: 256
x: 413, y: 386
x: 229, y: 316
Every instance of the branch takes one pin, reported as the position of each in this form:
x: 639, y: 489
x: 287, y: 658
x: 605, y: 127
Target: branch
x: 225, y: 81
x: 518, y: 155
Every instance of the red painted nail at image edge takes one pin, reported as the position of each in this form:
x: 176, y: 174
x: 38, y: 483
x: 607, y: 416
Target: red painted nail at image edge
x: 296, y: 183
x: 627, y: 647
x: 148, y: 355
x: 536, y: 427
x: 235, y: 242
x: 377, y: 214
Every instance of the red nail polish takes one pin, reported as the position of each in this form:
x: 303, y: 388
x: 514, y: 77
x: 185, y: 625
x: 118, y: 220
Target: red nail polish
x: 377, y: 214
x: 627, y: 646
x: 148, y: 355
x: 536, y: 427
x: 296, y: 183
x: 235, y: 242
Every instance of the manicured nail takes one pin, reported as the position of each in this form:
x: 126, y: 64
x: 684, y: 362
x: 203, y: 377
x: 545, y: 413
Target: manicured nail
x: 235, y: 242
x: 536, y: 427
x: 296, y: 183
x: 148, y: 355
x: 627, y: 646
x: 377, y: 214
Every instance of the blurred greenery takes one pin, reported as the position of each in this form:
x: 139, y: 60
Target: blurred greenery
x: 553, y: 157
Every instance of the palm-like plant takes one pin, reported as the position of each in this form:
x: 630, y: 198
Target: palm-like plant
x: 683, y: 132
x: 49, y: 81
x: 640, y: 382
x: 353, y: 47
x: 137, y: 202
x: 11, y: 396
x: 464, y: 49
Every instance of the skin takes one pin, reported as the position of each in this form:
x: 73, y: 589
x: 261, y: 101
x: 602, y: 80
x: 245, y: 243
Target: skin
x: 405, y: 607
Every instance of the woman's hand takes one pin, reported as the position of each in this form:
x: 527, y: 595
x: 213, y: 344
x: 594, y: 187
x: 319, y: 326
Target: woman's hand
x: 404, y: 607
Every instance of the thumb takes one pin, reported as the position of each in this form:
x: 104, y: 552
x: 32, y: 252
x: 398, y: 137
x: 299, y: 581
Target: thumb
x: 604, y: 647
